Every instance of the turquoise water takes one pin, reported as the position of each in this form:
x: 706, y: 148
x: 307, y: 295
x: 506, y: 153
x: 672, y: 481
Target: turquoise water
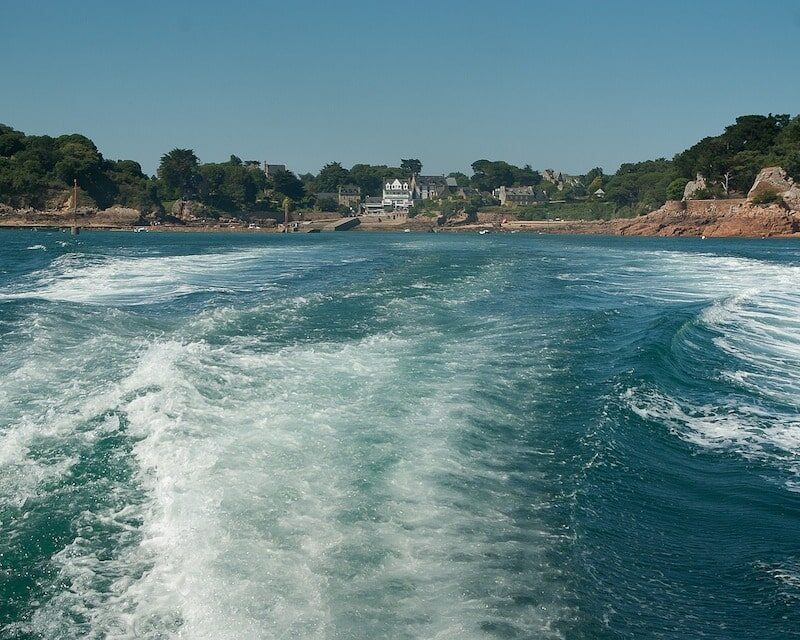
x: 398, y: 436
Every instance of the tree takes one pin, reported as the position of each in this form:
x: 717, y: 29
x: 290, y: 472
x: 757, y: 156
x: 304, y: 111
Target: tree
x: 79, y: 158
x: 288, y: 185
x: 230, y: 186
x: 676, y: 188
x: 411, y: 167
x: 595, y: 184
x: 370, y: 178
x: 525, y: 177
x: 327, y: 204
x: 726, y: 181
x: 642, y: 185
x: 11, y: 141
x: 462, y: 180
x: 593, y: 175
x: 179, y: 173
x: 488, y: 175
x: 332, y: 176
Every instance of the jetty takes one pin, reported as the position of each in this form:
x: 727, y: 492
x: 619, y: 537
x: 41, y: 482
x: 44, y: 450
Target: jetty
x: 343, y: 225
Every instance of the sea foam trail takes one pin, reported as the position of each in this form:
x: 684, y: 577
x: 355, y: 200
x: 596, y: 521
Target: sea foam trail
x: 388, y: 454
x: 316, y: 490
x: 286, y: 503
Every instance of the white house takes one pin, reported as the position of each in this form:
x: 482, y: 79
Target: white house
x: 398, y: 194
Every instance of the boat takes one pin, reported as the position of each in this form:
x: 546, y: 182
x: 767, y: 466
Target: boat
x: 406, y: 230
x: 483, y: 232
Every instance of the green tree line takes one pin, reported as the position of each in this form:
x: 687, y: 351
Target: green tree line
x: 37, y: 171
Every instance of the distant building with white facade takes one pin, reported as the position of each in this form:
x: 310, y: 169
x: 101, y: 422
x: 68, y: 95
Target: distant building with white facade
x: 398, y: 195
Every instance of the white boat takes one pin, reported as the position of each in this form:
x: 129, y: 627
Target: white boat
x: 483, y: 232
x: 406, y: 230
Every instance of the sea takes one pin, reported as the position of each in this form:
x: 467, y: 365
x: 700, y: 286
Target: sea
x: 401, y: 436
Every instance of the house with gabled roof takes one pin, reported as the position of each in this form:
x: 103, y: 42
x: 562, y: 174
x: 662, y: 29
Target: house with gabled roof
x: 510, y: 196
x: 427, y: 187
x: 398, y: 194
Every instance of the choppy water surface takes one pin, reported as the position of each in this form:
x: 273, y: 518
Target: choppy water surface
x: 398, y: 436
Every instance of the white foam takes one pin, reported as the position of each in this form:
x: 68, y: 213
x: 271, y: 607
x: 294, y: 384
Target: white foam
x: 134, y: 280
x: 753, y: 309
x: 769, y: 437
x: 284, y: 491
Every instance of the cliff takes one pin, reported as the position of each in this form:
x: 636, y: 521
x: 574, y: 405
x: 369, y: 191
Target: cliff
x: 711, y: 218
x: 772, y: 208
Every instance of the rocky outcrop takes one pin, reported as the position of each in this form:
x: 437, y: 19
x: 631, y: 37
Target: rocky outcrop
x: 770, y: 180
x: 792, y: 197
x: 774, y: 181
x: 712, y: 218
x: 694, y: 186
x: 117, y: 216
x: 190, y: 210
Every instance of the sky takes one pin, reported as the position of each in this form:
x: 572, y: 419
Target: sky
x: 566, y: 85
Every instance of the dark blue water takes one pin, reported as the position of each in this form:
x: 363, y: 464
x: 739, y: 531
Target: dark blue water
x: 398, y: 436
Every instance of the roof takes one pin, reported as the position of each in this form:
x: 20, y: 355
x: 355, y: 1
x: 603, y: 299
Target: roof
x: 519, y: 191
x: 402, y: 182
x: 373, y: 200
x: 451, y: 182
x: 428, y: 180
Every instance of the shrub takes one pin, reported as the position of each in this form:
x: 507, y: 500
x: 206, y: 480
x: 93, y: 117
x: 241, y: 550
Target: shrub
x: 768, y: 197
x: 676, y: 188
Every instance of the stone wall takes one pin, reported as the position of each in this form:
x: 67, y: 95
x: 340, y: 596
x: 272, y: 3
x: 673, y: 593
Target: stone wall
x: 714, y: 206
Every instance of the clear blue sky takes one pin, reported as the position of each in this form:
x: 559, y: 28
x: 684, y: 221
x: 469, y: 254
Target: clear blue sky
x: 567, y: 85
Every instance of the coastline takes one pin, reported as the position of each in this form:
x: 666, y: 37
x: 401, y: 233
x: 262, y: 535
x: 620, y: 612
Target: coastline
x: 712, y: 218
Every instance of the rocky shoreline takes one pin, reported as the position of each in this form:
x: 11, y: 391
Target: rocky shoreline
x: 712, y: 219
x: 722, y: 218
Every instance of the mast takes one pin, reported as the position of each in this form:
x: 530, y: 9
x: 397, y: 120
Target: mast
x: 74, y: 229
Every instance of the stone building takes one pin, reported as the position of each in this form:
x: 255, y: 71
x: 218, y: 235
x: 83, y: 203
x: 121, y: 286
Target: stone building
x: 510, y: 196
x: 427, y: 187
x: 350, y: 196
x: 271, y: 169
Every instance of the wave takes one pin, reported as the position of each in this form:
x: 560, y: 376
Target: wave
x: 743, y: 351
x: 139, y: 280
